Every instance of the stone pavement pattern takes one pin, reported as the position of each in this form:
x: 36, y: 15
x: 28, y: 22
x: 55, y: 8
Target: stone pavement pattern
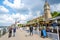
x: 23, y: 35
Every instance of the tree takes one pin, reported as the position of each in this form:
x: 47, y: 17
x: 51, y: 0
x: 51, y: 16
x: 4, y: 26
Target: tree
x: 55, y: 14
x: 20, y: 25
x: 28, y: 22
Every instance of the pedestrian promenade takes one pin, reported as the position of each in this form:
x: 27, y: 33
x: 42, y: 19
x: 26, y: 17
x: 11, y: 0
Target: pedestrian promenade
x: 23, y: 35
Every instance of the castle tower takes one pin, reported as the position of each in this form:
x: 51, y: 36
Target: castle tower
x: 47, y: 13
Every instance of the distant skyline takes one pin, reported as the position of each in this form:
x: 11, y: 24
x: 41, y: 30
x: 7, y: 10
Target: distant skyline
x: 23, y: 10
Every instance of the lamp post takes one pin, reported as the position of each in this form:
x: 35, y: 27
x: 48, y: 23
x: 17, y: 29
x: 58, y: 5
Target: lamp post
x: 16, y: 22
x: 57, y: 29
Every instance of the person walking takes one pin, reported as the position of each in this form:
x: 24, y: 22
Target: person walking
x: 14, y: 31
x: 31, y: 30
x: 10, y: 32
x: 43, y: 33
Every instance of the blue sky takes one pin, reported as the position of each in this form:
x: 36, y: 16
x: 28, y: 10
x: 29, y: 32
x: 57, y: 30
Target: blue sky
x: 24, y: 10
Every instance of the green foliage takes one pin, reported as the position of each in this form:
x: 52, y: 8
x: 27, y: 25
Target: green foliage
x: 41, y: 19
x: 28, y: 22
x: 20, y: 25
x: 35, y: 20
x: 55, y: 14
x: 59, y: 14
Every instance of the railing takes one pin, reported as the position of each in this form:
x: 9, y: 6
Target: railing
x: 54, y: 36
x: 3, y: 31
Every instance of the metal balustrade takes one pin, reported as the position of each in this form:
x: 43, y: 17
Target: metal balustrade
x: 3, y: 31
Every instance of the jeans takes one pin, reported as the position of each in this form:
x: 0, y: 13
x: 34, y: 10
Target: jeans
x: 14, y: 34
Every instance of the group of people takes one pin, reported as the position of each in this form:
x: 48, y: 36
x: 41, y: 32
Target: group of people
x: 43, y: 32
x: 12, y: 31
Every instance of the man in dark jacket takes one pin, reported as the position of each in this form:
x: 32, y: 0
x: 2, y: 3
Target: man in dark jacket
x: 14, y: 31
x: 31, y: 30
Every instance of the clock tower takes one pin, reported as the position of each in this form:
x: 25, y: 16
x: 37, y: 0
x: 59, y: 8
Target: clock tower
x: 47, y: 13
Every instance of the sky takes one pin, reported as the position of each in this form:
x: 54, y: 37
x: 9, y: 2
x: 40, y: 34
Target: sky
x: 23, y: 10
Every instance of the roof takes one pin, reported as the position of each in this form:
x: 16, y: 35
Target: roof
x: 56, y: 18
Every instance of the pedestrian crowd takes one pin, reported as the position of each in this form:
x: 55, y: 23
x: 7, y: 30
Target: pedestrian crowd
x: 12, y: 31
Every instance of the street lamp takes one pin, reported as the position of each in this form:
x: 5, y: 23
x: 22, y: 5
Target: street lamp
x: 57, y: 30
x: 16, y: 22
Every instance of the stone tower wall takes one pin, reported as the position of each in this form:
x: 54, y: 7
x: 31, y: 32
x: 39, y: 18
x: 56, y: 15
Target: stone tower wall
x: 47, y: 13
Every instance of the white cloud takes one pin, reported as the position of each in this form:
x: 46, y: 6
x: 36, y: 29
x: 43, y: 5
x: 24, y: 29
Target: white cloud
x: 38, y: 13
x: 10, y: 18
x: 6, y: 19
x: 23, y: 22
x: 17, y: 4
x: 3, y: 9
x: 33, y: 3
x: 19, y: 16
x: 55, y: 7
x: 30, y: 13
x: 23, y: 17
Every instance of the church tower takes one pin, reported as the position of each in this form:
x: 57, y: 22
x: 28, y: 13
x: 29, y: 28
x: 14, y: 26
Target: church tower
x: 47, y: 13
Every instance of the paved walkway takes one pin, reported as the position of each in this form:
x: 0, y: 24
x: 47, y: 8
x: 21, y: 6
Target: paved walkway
x: 23, y: 35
